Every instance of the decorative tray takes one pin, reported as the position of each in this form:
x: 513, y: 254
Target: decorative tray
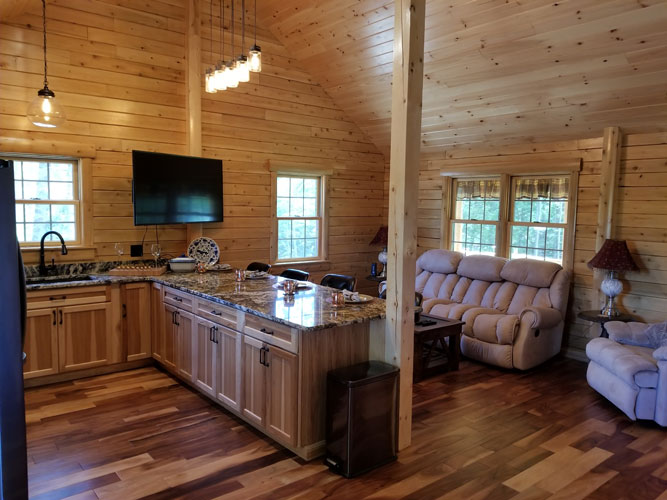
x: 137, y: 270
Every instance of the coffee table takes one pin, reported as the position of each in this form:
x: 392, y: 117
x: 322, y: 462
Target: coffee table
x: 428, y: 360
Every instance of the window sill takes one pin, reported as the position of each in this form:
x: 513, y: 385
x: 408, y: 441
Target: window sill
x: 301, y: 263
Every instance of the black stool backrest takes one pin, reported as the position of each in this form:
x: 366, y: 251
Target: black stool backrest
x: 339, y: 281
x: 295, y: 274
x: 259, y: 266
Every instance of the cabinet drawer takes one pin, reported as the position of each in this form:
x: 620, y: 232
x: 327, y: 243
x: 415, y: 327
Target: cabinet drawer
x: 67, y: 296
x: 272, y: 333
x: 217, y: 313
x: 178, y: 299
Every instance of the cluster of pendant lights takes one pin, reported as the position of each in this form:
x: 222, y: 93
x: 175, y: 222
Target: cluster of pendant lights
x: 228, y: 74
x: 44, y: 110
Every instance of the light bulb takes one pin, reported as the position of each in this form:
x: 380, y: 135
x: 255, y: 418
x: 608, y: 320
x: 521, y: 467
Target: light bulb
x: 210, y: 82
x: 44, y: 110
x: 232, y: 75
x: 242, y: 69
x: 219, y: 80
x: 255, y: 59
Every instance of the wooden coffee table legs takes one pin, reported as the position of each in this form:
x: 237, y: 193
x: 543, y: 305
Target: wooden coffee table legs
x: 424, y: 354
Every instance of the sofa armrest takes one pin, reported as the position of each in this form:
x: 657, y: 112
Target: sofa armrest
x: 541, y: 317
x: 660, y: 353
x: 471, y: 314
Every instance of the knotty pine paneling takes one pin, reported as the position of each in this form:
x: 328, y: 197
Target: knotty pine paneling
x: 118, y: 70
x: 283, y: 115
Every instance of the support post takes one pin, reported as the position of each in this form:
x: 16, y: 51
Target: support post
x: 406, y: 112
x: 606, y: 224
x: 193, y: 92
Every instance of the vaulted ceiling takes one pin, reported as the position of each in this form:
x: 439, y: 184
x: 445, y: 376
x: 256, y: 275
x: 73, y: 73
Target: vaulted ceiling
x: 496, y: 71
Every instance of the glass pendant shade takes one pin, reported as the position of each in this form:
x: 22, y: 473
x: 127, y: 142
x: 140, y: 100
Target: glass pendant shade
x: 45, y: 111
x: 255, y: 59
x: 219, y: 77
x: 210, y: 82
x: 232, y: 75
x: 243, y: 69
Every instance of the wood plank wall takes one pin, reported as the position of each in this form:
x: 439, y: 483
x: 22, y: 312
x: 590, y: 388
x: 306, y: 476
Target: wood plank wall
x: 642, y: 217
x: 282, y: 117
x: 118, y: 69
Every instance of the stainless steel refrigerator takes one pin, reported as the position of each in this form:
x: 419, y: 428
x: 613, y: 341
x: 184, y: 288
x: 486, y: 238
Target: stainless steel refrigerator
x: 13, y: 457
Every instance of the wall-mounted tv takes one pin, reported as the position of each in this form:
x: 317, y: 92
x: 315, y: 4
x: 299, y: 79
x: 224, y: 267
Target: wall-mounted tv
x: 173, y: 189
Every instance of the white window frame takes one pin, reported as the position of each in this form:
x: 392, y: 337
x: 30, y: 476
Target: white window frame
x: 77, y: 190
x: 479, y: 222
x: 321, y: 218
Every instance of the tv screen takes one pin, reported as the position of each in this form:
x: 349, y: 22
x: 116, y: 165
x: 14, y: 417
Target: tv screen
x: 173, y: 189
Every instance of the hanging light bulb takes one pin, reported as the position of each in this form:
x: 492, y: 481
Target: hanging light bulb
x: 44, y: 110
x: 209, y: 78
x: 220, y: 78
x: 210, y: 82
x: 242, y: 69
x: 232, y: 75
x: 255, y: 52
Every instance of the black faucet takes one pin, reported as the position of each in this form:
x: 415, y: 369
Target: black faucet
x: 42, y: 265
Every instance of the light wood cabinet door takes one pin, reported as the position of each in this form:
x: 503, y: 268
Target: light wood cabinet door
x: 185, y: 322
x: 168, y: 337
x: 136, y: 313
x: 84, y: 336
x: 229, y: 367
x: 41, y: 343
x: 205, y: 357
x: 282, y: 390
x: 157, y: 322
x: 254, y: 381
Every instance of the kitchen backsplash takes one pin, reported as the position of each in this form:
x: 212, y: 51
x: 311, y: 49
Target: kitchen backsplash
x: 74, y: 268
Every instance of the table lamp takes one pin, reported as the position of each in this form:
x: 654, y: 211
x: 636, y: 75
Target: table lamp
x: 613, y: 257
x: 381, y: 238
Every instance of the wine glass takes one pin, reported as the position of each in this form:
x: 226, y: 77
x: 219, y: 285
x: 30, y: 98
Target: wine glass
x: 118, y: 247
x: 156, y: 251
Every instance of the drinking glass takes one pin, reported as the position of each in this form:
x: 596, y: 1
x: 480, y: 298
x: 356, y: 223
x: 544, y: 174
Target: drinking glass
x: 118, y: 247
x: 156, y: 250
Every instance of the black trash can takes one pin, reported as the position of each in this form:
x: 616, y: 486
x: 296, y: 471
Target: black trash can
x: 361, y: 417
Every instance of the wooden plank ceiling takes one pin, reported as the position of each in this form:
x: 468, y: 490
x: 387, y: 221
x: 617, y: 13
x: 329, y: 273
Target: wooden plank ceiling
x: 496, y: 71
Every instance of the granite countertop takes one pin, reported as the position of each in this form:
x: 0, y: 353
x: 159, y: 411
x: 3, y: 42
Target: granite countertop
x: 310, y: 310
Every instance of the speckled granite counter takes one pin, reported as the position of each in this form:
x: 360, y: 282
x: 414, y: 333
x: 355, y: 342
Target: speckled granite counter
x: 310, y: 310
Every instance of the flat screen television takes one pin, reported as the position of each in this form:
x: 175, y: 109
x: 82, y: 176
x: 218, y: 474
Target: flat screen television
x: 173, y: 189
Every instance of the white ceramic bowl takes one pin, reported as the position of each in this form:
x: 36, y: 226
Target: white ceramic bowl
x: 182, y: 265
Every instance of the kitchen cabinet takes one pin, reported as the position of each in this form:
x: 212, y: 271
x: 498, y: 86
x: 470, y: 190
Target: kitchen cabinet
x: 41, y: 343
x: 184, y: 344
x: 254, y: 381
x: 206, y: 364
x: 168, y: 337
x: 157, y: 322
x: 136, y: 316
x: 83, y: 337
x: 228, y: 371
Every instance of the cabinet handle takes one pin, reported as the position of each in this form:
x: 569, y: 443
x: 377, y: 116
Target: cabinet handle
x: 261, y: 360
x: 210, y: 334
x: 177, y: 315
x: 173, y: 317
x: 54, y: 316
x: 216, y: 312
x: 124, y: 311
x: 61, y: 316
x: 178, y: 299
x: 266, y: 351
x: 268, y: 332
x: 62, y: 297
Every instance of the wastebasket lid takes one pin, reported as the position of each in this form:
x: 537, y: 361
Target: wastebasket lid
x: 363, y: 373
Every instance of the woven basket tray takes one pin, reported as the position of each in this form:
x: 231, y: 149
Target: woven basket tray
x: 138, y: 271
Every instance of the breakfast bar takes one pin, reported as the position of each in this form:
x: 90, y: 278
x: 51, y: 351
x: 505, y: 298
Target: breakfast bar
x: 243, y: 344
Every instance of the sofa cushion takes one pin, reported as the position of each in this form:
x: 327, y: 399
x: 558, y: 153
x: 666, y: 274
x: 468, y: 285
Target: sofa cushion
x: 634, y: 365
x: 439, y: 261
x: 481, y: 267
x: 495, y: 328
x: 530, y: 272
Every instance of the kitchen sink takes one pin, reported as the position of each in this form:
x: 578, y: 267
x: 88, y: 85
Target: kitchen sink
x: 48, y: 280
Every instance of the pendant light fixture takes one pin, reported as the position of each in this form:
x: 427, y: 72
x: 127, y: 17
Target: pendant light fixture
x: 232, y: 74
x: 44, y: 110
x: 242, y: 67
x: 220, y: 79
x: 210, y: 75
x: 255, y: 52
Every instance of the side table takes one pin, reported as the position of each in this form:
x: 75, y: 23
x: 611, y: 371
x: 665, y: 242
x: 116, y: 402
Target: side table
x: 595, y: 317
x: 425, y: 363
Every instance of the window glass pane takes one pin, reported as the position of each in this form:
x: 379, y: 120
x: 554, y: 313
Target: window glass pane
x: 477, y: 210
x: 540, y: 211
x: 37, y: 213
x: 62, y: 213
x: 283, y: 186
x: 283, y: 207
x: 298, y: 248
x: 284, y: 229
x: 518, y: 253
x: 298, y: 229
x: 19, y: 213
x: 558, y: 212
x: 66, y: 230
x: 296, y: 187
x: 522, y: 211
x: 474, y: 238
x: 519, y: 236
x: 462, y: 209
x: 310, y: 207
x: 18, y: 190
x: 296, y: 207
x: 61, y: 191
x: 312, y: 230
x: 18, y: 170
x: 35, y: 171
x: 35, y: 190
x: 311, y: 248
x: 34, y: 232
x: 284, y: 249
x: 61, y: 172
x: 535, y: 253
x: 310, y: 188
x: 492, y: 210
x: 20, y: 232
x: 536, y: 237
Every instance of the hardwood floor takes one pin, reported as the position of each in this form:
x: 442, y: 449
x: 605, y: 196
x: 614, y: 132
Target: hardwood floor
x: 479, y: 433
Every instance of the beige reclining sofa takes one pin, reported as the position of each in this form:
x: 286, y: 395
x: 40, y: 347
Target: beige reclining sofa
x: 513, y: 310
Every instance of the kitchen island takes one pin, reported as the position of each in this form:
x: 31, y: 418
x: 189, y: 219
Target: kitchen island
x: 242, y: 344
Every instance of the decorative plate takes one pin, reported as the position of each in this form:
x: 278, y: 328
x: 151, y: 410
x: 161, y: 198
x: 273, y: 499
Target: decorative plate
x: 300, y: 285
x: 362, y: 299
x: 256, y: 275
x: 204, y: 250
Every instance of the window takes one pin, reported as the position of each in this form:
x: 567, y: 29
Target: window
x: 539, y: 218
x: 536, y: 224
x: 476, y: 215
x: 47, y: 198
x: 299, y: 203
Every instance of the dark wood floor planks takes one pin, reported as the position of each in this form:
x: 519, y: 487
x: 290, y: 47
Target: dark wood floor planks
x: 479, y: 433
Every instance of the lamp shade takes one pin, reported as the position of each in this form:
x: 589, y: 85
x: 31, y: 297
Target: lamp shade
x: 613, y: 256
x: 381, y: 237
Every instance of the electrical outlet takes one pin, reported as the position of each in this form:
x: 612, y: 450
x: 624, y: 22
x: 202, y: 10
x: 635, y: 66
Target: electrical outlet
x: 136, y: 250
